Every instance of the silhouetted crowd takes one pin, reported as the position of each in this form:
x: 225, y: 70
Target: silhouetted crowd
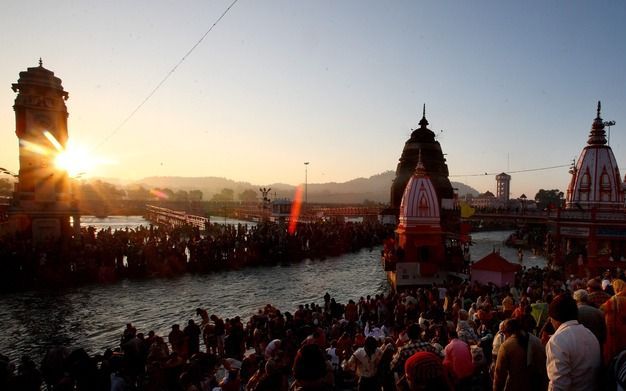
x: 545, y: 332
x: 107, y: 255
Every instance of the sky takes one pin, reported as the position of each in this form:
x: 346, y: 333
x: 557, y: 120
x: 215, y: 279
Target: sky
x: 508, y: 86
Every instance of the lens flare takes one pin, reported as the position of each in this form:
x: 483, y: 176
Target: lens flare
x: 295, y: 211
x: 159, y: 194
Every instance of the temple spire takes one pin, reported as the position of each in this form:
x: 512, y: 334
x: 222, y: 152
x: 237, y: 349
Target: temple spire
x: 423, y: 122
x: 597, y: 136
x: 40, y: 63
x: 419, y: 168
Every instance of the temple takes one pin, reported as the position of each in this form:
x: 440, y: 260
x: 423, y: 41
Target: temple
x: 422, y: 139
x: 428, y: 245
x: 42, y: 204
x: 589, y: 233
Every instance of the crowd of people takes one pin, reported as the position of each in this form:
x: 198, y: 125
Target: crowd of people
x: 107, y: 255
x: 544, y: 332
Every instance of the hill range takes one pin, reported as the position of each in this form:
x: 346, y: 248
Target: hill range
x: 373, y: 189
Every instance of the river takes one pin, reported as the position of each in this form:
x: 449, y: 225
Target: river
x: 93, y: 316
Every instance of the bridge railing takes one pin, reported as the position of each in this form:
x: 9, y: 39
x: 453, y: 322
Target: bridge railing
x: 175, y: 218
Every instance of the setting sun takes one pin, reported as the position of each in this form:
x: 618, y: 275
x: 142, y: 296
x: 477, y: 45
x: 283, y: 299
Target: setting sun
x: 74, y: 160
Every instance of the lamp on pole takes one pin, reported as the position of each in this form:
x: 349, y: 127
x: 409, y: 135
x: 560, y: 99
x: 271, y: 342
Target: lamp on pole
x: 306, y: 183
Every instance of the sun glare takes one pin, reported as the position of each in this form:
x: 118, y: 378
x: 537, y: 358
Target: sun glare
x: 74, y: 160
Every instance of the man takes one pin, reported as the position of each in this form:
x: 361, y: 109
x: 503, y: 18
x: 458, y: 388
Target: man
x: 597, y: 296
x: 573, y: 352
x: 589, y: 316
x: 192, y: 336
x: 521, y: 360
x: 458, y: 360
x: 414, y: 345
x: 176, y: 339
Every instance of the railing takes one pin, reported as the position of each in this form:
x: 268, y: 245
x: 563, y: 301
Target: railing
x: 175, y: 218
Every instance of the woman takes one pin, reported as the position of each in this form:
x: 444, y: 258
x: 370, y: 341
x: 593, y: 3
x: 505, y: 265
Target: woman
x: 615, y: 319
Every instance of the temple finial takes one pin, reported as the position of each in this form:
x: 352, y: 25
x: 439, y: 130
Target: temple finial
x: 423, y: 122
x: 599, y: 105
x: 40, y: 63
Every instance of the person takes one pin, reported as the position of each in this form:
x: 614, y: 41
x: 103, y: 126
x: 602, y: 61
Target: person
x: 405, y: 351
x: 424, y: 371
x: 364, y: 361
x: 272, y: 349
x: 615, y: 321
x: 521, y: 360
x: 458, y: 360
x: 192, y: 335
x: 220, y: 332
x: 573, y: 357
x: 590, y: 316
x: 311, y: 370
x: 176, y: 338
x: 597, y: 296
x: 465, y: 331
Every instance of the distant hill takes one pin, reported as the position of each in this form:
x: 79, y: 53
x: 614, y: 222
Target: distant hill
x: 375, y: 188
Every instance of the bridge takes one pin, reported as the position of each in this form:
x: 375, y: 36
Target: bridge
x: 175, y: 218
x: 511, y: 216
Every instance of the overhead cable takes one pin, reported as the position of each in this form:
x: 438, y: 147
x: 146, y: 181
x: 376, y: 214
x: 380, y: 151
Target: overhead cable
x: 171, y: 71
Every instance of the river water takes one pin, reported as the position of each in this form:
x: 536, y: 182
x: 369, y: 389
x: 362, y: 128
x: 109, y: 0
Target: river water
x: 94, y: 316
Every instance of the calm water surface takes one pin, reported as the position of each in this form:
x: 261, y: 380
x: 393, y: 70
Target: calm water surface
x: 93, y: 316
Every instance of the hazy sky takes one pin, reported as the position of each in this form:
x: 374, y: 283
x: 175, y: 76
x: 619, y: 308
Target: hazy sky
x: 337, y: 83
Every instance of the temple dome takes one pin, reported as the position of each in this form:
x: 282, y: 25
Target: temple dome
x: 40, y: 77
x: 419, y: 206
x: 422, y: 141
x: 596, y: 181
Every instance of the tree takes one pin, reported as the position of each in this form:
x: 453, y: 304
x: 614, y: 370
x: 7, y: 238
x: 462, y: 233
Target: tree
x: 549, y: 198
x: 181, y: 195
x: 226, y: 195
x: 248, y: 196
x: 195, y: 195
x: 138, y: 193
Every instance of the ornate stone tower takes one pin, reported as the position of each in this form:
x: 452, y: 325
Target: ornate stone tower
x: 503, y: 187
x: 42, y: 201
x: 422, y: 139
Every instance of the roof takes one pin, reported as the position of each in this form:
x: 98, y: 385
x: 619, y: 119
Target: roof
x: 495, y: 262
x: 419, y: 205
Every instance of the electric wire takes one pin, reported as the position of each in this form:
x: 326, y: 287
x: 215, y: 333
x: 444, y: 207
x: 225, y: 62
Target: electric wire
x: 516, y: 171
x: 167, y: 76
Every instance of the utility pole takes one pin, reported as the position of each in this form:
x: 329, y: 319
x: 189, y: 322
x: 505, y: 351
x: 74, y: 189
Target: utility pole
x: 306, y: 183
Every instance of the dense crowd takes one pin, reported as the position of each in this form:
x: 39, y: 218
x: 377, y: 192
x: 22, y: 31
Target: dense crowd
x: 106, y: 255
x: 545, y: 332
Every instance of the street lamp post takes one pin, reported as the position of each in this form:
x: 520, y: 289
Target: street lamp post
x: 306, y: 183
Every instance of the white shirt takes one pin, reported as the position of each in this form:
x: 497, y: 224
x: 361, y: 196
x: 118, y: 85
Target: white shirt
x: 375, y: 332
x: 365, y: 366
x: 573, y: 358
